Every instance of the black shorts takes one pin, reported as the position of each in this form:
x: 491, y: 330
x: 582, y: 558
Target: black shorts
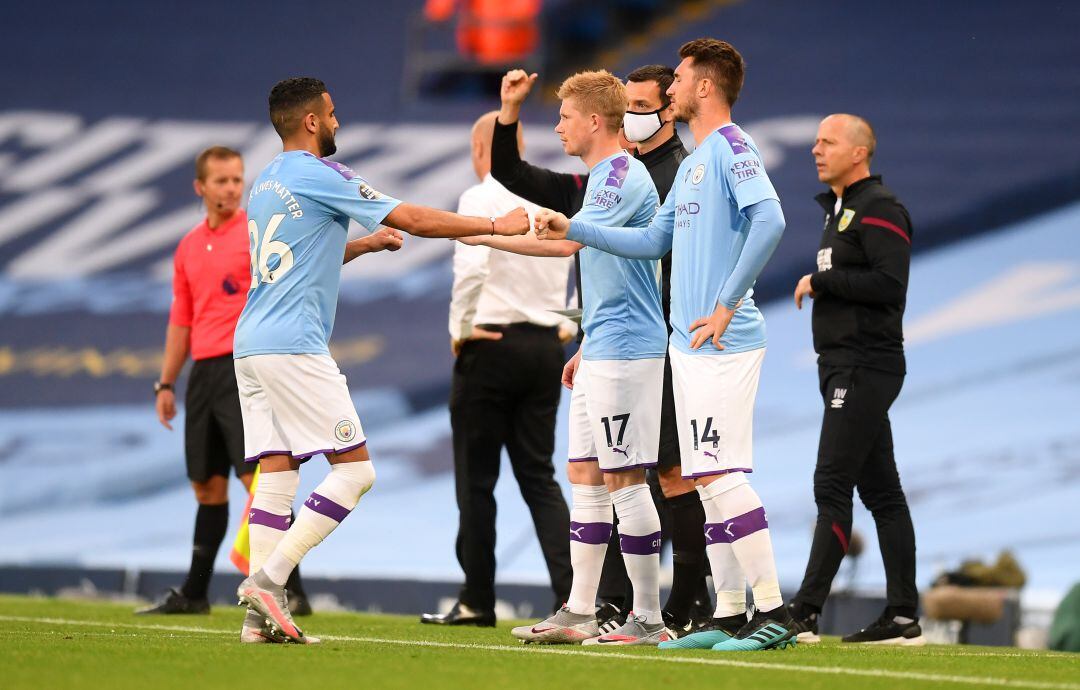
x: 668, y: 456
x: 213, y: 426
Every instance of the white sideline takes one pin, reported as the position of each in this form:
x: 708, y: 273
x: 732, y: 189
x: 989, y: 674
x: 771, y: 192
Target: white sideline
x: 537, y: 649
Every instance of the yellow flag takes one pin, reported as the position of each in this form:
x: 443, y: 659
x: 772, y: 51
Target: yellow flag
x: 241, y: 550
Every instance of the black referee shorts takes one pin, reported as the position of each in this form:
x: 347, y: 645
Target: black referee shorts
x: 668, y: 456
x: 213, y: 426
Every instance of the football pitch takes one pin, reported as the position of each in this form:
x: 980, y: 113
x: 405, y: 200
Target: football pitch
x: 51, y: 643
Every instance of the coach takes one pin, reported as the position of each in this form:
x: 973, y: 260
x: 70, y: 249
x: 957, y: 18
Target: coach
x: 212, y: 274
x: 859, y: 293
x: 508, y: 344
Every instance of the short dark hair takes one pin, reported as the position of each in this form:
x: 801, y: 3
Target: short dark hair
x: 661, y: 74
x: 215, y: 152
x: 718, y: 61
x: 288, y: 98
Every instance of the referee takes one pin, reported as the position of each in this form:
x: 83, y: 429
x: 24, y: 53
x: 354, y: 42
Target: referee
x: 649, y: 127
x: 212, y: 273
x: 859, y: 292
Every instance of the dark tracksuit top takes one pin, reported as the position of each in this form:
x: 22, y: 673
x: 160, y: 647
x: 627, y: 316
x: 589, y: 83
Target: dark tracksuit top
x: 861, y: 283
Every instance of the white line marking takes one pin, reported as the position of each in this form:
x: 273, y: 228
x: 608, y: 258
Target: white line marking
x: 580, y: 653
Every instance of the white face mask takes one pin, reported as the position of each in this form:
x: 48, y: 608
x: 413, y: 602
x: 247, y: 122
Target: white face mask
x: 641, y: 126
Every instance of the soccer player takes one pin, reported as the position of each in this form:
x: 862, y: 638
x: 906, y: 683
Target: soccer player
x: 616, y: 377
x: 295, y: 402
x: 722, y: 222
x: 650, y: 127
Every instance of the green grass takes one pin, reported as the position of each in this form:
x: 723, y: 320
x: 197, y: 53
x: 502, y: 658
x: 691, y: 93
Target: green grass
x: 50, y: 643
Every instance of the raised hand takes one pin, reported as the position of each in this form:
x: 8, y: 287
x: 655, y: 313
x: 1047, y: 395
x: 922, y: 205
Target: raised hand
x: 516, y: 85
x: 551, y: 225
x: 514, y: 223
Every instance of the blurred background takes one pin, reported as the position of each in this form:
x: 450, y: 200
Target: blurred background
x: 104, y: 106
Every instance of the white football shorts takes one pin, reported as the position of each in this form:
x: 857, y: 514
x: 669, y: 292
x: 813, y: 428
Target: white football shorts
x: 714, y: 410
x: 295, y: 405
x: 615, y: 413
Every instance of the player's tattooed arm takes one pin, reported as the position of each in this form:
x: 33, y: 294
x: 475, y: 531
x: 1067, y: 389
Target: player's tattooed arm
x: 383, y: 238
x: 422, y: 221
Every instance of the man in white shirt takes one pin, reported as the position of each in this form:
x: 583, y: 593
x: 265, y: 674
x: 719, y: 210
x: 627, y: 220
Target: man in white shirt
x: 506, y: 390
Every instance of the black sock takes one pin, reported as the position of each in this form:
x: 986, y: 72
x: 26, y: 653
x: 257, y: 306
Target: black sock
x: 293, y: 584
x: 800, y: 609
x: 687, y: 554
x: 613, y: 578
x: 211, y: 524
x: 731, y: 623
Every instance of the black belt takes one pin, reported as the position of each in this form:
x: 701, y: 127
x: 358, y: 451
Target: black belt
x: 525, y: 326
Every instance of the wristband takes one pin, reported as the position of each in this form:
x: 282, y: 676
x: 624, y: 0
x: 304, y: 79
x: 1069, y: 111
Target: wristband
x: 492, y: 219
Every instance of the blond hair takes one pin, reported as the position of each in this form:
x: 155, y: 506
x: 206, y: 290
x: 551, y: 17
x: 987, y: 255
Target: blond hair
x: 598, y: 92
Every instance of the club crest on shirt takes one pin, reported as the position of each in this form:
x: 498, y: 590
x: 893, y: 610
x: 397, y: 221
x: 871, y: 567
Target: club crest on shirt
x: 699, y: 174
x: 845, y: 219
x: 345, y: 431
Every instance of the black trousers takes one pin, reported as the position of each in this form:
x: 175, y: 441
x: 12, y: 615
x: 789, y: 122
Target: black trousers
x: 506, y: 393
x: 856, y: 452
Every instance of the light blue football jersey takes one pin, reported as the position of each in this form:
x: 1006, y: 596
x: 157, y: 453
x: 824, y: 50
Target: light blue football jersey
x: 298, y: 218
x: 622, y: 316
x: 713, y: 186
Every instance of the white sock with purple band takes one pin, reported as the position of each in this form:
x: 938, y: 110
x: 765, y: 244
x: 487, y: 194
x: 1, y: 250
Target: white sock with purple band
x: 747, y: 529
x: 270, y: 514
x: 729, y: 582
x: 639, y: 538
x: 322, y: 512
x: 590, y: 530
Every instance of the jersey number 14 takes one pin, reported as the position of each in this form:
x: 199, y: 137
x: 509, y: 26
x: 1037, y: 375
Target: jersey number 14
x: 264, y: 249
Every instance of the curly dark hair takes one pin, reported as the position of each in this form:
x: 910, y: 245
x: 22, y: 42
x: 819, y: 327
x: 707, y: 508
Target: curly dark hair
x: 291, y: 99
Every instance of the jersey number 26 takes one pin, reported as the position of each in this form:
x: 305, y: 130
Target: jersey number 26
x: 264, y: 249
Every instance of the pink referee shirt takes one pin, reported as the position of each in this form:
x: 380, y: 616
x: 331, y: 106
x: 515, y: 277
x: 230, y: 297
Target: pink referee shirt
x: 211, y: 277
